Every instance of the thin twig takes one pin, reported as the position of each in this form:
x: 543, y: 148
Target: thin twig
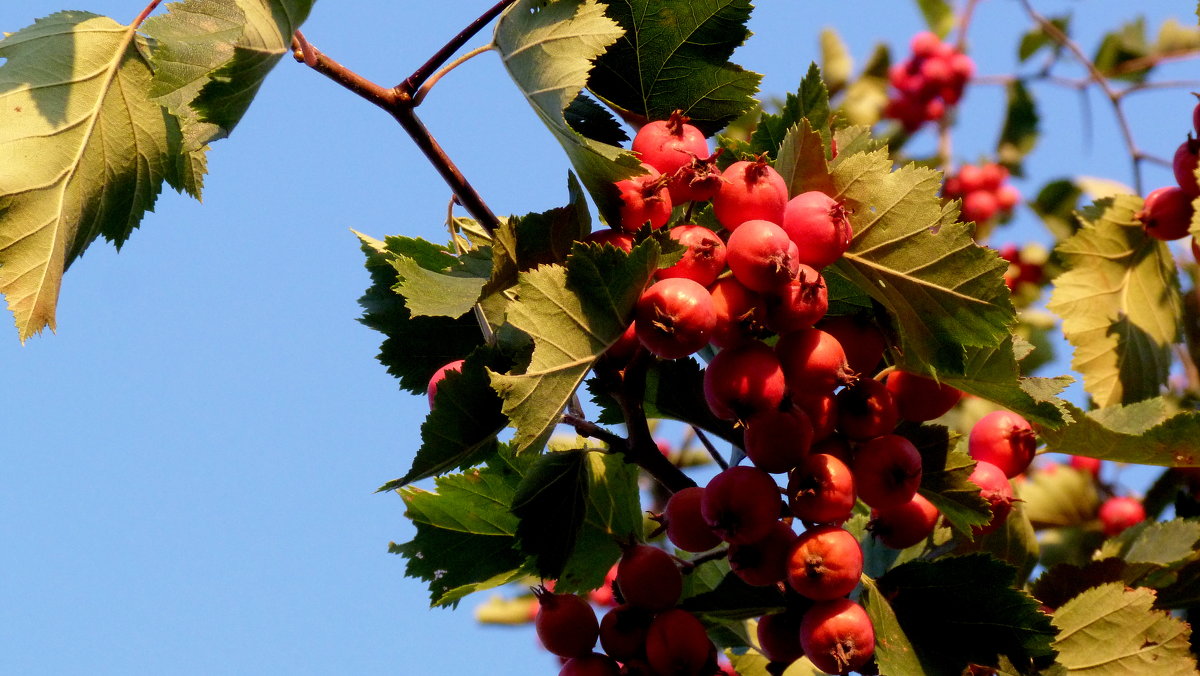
x: 591, y: 430
x: 424, y: 90
x: 964, y: 23
x: 137, y: 22
x: 441, y: 56
x: 642, y: 449
x: 712, y: 450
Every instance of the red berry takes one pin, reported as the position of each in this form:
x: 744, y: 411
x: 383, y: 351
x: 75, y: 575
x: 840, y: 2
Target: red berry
x: 822, y: 413
x: 993, y: 487
x: 837, y: 636
x: 824, y: 563
x: 594, y: 664
x: 1086, y: 464
x: 919, y: 398
x: 979, y: 206
x: 1118, y: 513
x: 821, y: 489
x: 862, y: 342
x: 992, y: 176
x: 971, y: 179
x: 739, y: 312
x: 813, y: 362
x: 819, y: 226
x: 964, y: 70
x: 623, y: 631
x: 648, y: 578
x: 678, y: 645
x: 1166, y: 214
x: 704, y: 259
x: 1184, y: 166
x: 675, y: 317
x: 924, y: 45
x: 887, y: 471
x: 904, y: 525
x: 741, y: 504
x: 440, y: 375
x: 776, y: 441
x: 744, y: 380
x: 750, y: 191
x: 644, y: 199
x: 763, y: 562
x: 800, y: 304
x: 779, y: 637
x: 696, y: 181
x: 837, y: 446
x: 685, y: 524
x: 565, y: 623
x: 624, y: 346
x: 866, y: 410
x: 1004, y: 439
x: 761, y: 256
x: 669, y: 144
x: 621, y: 240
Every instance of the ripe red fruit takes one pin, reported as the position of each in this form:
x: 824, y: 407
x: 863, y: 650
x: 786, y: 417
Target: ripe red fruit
x: 819, y: 226
x: 821, y: 410
x: 623, y: 631
x: 744, y: 380
x: 1007, y: 197
x: 594, y: 664
x: 624, y: 346
x: 739, y: 312
x: 761, y: 256
x: 779, y: 637
x: 866, y: 410
x: 603, y: 595
x: 813, y: 362
x: 750, y: 191
x: 669, y: 144
x: 648, y: 578
x: 741, y: 504
x: 824, y: 563
x: 800, y: 304
x: 763, y: 562
x: 704, y: 259
x: 861, y: 340
x: 1004, y: 439
x: 837, y: 636
x: 1196, y: 118
x: 1121, y: 512
x: 1086, y: 464
x: 644, y: 199
x: 675, y: 317
x: 565, y: 623
x: 678, y: 645
x: 887, y: 471
x: 924, y: 45
x: 821, y: 489
x: 621, y: 240
x: 1184, y: 166
x: 993, y: 487
x: 1166, y: 213
x: 919, y: 398
x: 904, y: 525
x: 440, y: 375
x: 979, y: 206
x: 776, y: 441
x: 685, y: 525
x: 696, y: 181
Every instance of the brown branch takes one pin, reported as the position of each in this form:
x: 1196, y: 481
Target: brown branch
x: 137, y: 22
x: 712, y: 450
x: 641, y: 447
x: 964, y: 23
x: 591, y: 430
x: 414, y: 81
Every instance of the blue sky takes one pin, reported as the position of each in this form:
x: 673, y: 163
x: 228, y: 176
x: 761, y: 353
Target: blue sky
x: 189, y: 464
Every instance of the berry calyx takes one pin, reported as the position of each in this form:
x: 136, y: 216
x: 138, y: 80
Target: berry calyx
x: 675, y: 317
x: 1004, y: 439
x: 1121, y: 512
x: 800, y: 304
x: 565, y: 624
x: 995, y: 488
x: 837, y: 636
x: 824, y: 563
x: 741, y: 504
x: 644, y: 199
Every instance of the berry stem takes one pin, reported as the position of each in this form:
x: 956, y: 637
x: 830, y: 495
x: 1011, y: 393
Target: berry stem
x: 137, y: 22
x: 712, y: 450
x: 441, y: 56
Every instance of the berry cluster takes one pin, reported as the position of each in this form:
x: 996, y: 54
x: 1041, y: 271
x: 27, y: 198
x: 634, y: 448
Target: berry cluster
x: 1167, y: 213
x: 928, y: 82
x: 1022, y: 269
x: 984, y: 192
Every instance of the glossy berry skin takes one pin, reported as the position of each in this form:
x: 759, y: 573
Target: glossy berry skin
x: 440, y: 375
x: 775, y: 440
x: 763, y: 562
x: 675, y: 317
x: 743, y: 381
x: 760, y: 255
x: 623, y: 631
x: 862, y: 342
x: 779, y: 636
x: 995, y: 488
x: 677, y: 644
x: 813, y: 362
x: 821, y: 489
x: 740, y: 313
x: 866, y: 410
x: 800, y: 304
x: 905, y: 525
x: 1086, y: 464
x: 819, y: 226
x: 887, y: 471
x: 704, y: 259
x: 566, y: 625
x: 1184, y: 167
x: 686, y: 527
x: 621, y: 240
x: 1004, y: 439
x: 741, y: 504
x: 824, y: 563
x: 1166, y: 213
x: 648, y: 578
x: 696, y: 181
x: 644, y: 199
x: 837, y: 636
x: 821, y: 410
x: 751, y: 190
x: 979, y: 206
x: 669, y: 144
x: 594, y: 664
x: 1120, y: 512
x: 919, y: 398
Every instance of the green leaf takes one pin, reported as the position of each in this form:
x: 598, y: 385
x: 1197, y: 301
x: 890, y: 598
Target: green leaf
x: 1063, y: 582
x: 993, y: 373
x: 674, y: 56
x: 945, y: 478
x: 594, y: 121
x: 836, y: 61
x: 550, y: 503
x: 1059, y: 496
x: 1014, y: 543
x: 1111, y: 630
x: 614, y: 515
x: 1122, y: 46
x: 733, y: 599
x: 963, y: 609
x: 548, y: 49
x: 753, y: 663
x: 1020, y: 132
x: 939, y: 16
x: 83, y: 152
x: 1037, y: 38
x: 893, y: 652
x: 802, y: 162
x: 1055, y: 204
x: 546, y: 238
x: 810, y: 103
x: 573, y: 314
x: 1167, y: 543
x: 1120, y: 303
x: 455, y: 563
x: 1138, y: 433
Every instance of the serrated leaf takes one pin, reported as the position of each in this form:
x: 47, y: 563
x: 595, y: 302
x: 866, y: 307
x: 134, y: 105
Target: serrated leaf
x: 1120, y: 303
x: 945, y: 478
x: 573, y: 313
x: 674, y: 56
x: 614, y: 515
x: 939, y: 16
x: 548, y: 49
x: 1164, y: 543
x: 810, y: 102
x: 802, y: 162
x: 1014, y: 543
x: 1144, y: 437
x: 445, y: 291
x: 594, y: 121
x: 893, y: 652
x: 1019, y: 134
x: 836, y: 62
x: 1037, y: 38
x: 83, y: 152
x: 994, y: 374
x: 455, y: 563
x: 1063, y: 582
x: 1057, y: 497
x: 546, y: 238
x: 1111, y: 630
x: 550, y: 503
x: 754, y: 663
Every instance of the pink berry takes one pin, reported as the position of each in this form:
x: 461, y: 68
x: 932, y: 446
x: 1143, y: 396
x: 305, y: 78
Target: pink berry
x: 675, y: 317
x: 819, y: 226
x: 1119, y: 513
x: 995, y: 488
x: 750, y: 191
x: 704, y: 259
x: 837, y: 636
x: 1004, y: 439
x: 800, y: 304
x: 644, y: 199
x: 438, y: 376
x: 669, y: 144
x: 761, y: 257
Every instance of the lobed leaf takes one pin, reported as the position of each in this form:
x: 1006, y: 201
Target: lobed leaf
x: 894, y: 653
x: 550, y: 503
x: 1058, y: 497
x: 1138, y: 433
x: 939, y: 16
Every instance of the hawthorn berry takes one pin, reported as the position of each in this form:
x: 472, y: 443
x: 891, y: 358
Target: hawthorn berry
x: 1004, y: 439
x: 743, y: 381
x: 800, y: 304
x: 866, y: 410
x: 919, y: 398
x: 648, y: 578
x: 763, y: 562
x: 779, y: 636
x: 979, y: 206
x: 675, y: 317
x: 1120, y: 512
x: 862, y: 342
x: 777, y: 440
x: 696, y: 181
x: 704, y: 258
x: 741, y: 504
x: 821, y: 489
x: 995, y: 488
x: 887, y: 471
x: 821, y: 410
x: 824, y: 563
x: 677, y: 644
x: 440, y: 375
x: 750, y: 190
x: 837, y: 636
x: 1086, y: 464
x: 904, y: 525
x: 644, y: 199
x: 740, y: 313
x: 819, y: 226
x: 686, y: 527
x: 1166, y: 213
x: 669, y: 144
x: 1187, y: 156
x: 623, y: 631
x: 813, y: 362
x: 594, y: 664
x: 761, y: 256
x: 565, y: 624
x: 621, y: 240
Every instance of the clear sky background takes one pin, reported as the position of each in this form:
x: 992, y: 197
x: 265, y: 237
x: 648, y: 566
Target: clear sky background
x: 188, y: 466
